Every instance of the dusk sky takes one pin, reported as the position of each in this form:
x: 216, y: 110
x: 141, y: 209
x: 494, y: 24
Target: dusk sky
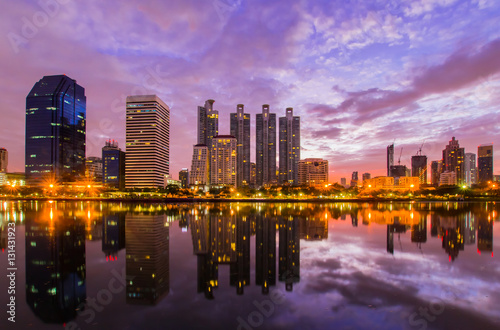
x: 361, y: 74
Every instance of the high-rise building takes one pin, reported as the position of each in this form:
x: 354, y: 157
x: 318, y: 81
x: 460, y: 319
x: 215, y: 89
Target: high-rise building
x: 4, y: 160
x: 55, y: 129
x: 289, y: 148
x: 265, y: 147
x: 208, y: 127
x: 184, y: 177
x: 240, y: 129
x: 485, y: 163
x: 390, y: 158
x: 366, y: 176
x: 253, y: 174
x: 199, y: 166
x: 354, y: 179
x: 343, y: 181
x: 148, y: 142
x: 419, y: 168
x: 223, y: 165
x: 313, y: 172
x: 453, y: 160
x: 470, y: 168
x: 289, y: 251
x: 113, y: 165
x: 435, y: 172
x: 93, y: 168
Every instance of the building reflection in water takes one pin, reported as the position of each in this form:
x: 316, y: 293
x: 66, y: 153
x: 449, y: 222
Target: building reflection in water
x: 55, y: 264
x: 484, y: 235
x: 265, y: 251
x: 147, y: 258
x: 113, y: 238
x: 240, y: 268
x: 289, y: 251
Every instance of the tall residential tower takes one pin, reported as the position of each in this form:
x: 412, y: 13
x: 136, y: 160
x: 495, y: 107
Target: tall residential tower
x: 289, y: 148
x: 265, y: 147
x: 240, y: 129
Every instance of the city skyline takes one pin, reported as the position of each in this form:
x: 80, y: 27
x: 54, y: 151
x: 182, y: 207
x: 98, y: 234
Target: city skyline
x: 360, y: 76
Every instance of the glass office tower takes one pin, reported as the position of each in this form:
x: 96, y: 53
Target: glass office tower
x: 55, y: 129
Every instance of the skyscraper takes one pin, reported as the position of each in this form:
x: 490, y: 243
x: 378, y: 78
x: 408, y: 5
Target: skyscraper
x: 313, y: 172
x: 265, y: 146
x: 470, y: 168
x: 184, y: 177
x: 485, y: 163
x: 55, y: 129
x: 366, y: 176
x: 4, y: 160
x: 453, y: 160
x: 148, y: 142
x: 390, y: 158
x: 208, y: 127
x: 419, y: 168
x: 289, y: 148
x: 199, y: 166
x: 435, y: 172
x: 223, y: 165
x: 113, y: 165
x: 240, y: 129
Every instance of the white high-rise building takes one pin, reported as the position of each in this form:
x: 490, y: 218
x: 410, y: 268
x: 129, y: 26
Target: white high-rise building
x: 147, y: 142
x: 199, y: 166
x: 223, y: 161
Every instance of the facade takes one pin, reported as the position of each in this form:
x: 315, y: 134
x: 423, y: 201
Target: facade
x: 199, y: 166
x: 398, y: 171
x: 435, y: 172
x: 390, y: 158
x: 240, y: 129
x: 55, y: 130
x: 265, y: 147
x: 343, y: 181
x: 253, y: 174
x: 409, y: 182
x: 184, y: 177
x: 470, y: 169
x: 289, y: 148
x: 223, y: 161
x: 448, y: 178
x: 366, y: 176
x: 313, y: 172
x: 208, y: 127
x: 148, y: 142
x: 93, y: 168
x: 4, y: 160
x: 419, y: 168
x: 113, y: 165
x: 354, y: 179
x: 453, y: 160
x: 379, y: 182
x: 485, y: 163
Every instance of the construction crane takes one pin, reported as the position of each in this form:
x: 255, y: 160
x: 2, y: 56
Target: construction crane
x: 401, y: 153
x: 419, y: 153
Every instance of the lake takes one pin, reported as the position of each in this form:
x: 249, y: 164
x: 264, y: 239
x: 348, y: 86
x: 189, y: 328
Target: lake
x: 100, y: 265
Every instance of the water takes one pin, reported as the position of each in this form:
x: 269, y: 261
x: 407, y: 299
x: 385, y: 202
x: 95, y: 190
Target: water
x: 96, y: 265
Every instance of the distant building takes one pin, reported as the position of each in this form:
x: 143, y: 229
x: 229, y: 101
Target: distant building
x: 435, y: 172
x: 354, y: 179
x: 366, y: 176
x: 379, y: 182
x: 419, y: 168
x: 265, y: 147
x: 453, y: 160
x: 93, y: 168
x: 448, y: 178
x: 4, y: 160
x: 169, y: 181
x: 113, y: 165
x: 240, y: 129
x: 184, y: 177
x: 313, y: 172
x: 55, y: 129
x: 470, y: 169
x: 253, y: 174
x: 343, y: 181
x: 148, y: 141
x: 223, y: 163
x: 409, y: 182
x: 289, y: 148
x: 485, y: 163
x: 390, y: 158
x: 199, y: 166
x: 398, y: 171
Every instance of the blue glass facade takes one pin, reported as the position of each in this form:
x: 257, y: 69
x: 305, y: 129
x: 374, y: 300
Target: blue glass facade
x: 55, y: 129
x: 113, y: 166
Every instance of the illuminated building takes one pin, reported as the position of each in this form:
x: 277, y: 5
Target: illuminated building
x: 484, y: 235
x: 184, y: 177
x: 55, y: 129
x: 55, y: 265
x: 93, y: 168
x: 199, y: 166
x: 223, y: 161
x: 289, y: 148
x: 265, y: 252
x: 4, y: 160
x: 453, y: 160
x: 448, y: 179
x: 398, y: 171
x: 240, y: 269
x: 253, y: 174
x: 485, y: 163
x: 289, y: 251
x: 435, y: 172
x: 379, y: 182
x: 148, y: 142
x: 390, y: 158
x: 240, y: 129
x: 419, y: 168
x: 208, y: 127
x: 113, y: 165
x: 313, y: 172
x: 409, y: 182
x: 343, y: 181
x: 453, y: 238
x: 265, y: 147
x: 147, y: 258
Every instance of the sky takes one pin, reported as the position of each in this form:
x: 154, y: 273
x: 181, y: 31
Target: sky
x: 360, y: 74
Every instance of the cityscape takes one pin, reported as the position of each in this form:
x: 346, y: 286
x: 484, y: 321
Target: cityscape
x: 237, y: 164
